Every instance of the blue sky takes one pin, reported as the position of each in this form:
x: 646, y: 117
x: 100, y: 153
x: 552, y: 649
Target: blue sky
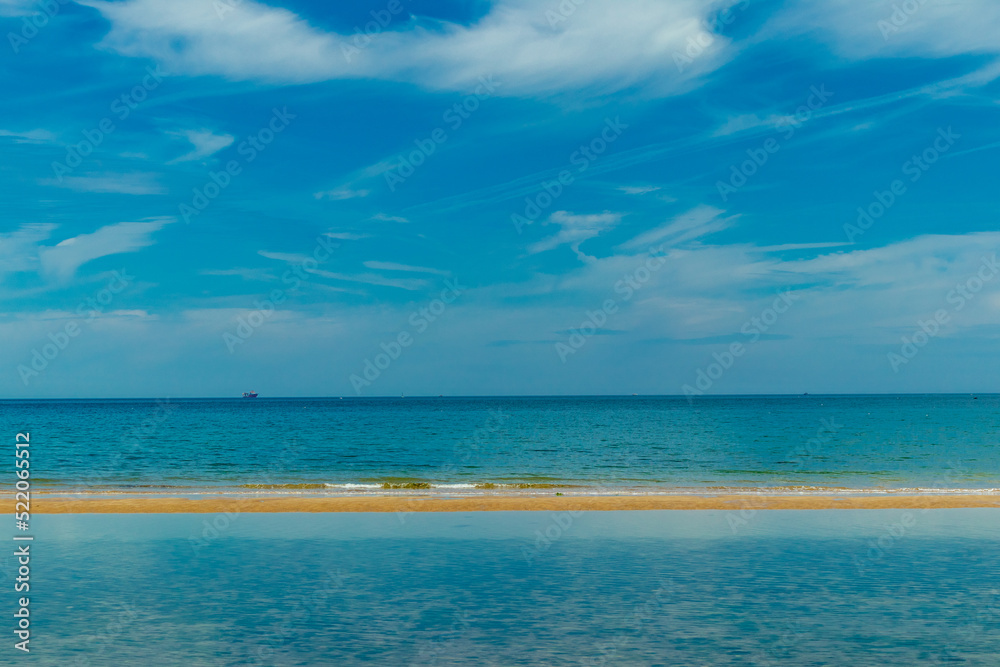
x: 498, y: 198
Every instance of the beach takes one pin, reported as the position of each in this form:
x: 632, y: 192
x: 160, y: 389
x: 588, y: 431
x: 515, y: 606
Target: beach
x: 172, y: 505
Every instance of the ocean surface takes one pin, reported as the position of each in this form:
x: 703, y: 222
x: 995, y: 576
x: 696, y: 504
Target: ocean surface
x: 827, y: 587
x: 633, y: 444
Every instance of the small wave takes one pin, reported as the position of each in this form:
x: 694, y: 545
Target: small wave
x: 282, y: 486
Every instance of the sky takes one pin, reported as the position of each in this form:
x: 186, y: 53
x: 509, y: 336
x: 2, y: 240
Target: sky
x: 206, y: 197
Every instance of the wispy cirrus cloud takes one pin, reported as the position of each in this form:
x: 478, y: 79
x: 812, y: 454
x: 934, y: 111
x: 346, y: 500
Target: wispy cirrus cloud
x: 261, y: 275
x: 17, y: 8
x: 205, y: 144
x: 699, y: 221
x: 340, y: 194
x: 393, y: 266
x: 19, y: 248
x: 29, y: 136
x: 60, y: 262
x: 346, y: 236
x: 638, y: 189
x: 574, y: 230
x: 744, y: 122
x: 410, y: 284
x: 861, y: 29
x: 126, y: 184
x: 289, y: 257
x: 383, y: 217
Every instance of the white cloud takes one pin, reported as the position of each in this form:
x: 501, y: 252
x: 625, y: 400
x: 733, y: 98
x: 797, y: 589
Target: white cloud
x: 855, y: 299
x: 638, y: 189
x: 862, y: 29
x: 345, y: 236
x: 17, y: 8
x: 62, y: 260
x: 528, y: 47
x: 373, y: 279
x: 205, y: 142
x: 783, y: 247
x: 128, y: 184
x: 244, y: 273
x: 340, y: 194
x: 393, y: 266
x: 291, y: 258
x: 382, y: 217
x: 746, y: 122
x: 699, y: 221
x: 30, y: 136
x: 19, y: 249
x: 574, y: 230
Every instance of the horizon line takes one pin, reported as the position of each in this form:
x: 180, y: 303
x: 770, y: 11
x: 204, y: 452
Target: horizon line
x: 393, y: 396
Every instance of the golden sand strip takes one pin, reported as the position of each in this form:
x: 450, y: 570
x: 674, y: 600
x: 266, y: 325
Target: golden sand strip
x: 501, y: 503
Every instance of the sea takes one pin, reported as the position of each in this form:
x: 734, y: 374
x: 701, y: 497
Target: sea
x: 569, y: 445
x: 708, y: 587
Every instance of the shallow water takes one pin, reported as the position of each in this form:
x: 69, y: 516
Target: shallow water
x: 649, y: 588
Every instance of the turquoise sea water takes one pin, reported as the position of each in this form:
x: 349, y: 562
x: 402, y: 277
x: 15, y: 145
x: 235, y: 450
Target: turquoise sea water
x: 610, y: 588
x: 355, y: 445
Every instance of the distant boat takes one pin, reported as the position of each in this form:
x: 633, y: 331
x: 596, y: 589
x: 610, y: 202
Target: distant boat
x: 249, y: 394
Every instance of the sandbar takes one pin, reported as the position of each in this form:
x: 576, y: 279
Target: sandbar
x: 170, y: 505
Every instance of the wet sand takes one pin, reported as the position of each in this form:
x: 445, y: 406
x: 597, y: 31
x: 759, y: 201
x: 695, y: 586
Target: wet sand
x: 160, y: 505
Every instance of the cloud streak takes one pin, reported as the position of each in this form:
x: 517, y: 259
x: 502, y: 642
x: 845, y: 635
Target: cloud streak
x: 205, y: 143
x: 60, y: 262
